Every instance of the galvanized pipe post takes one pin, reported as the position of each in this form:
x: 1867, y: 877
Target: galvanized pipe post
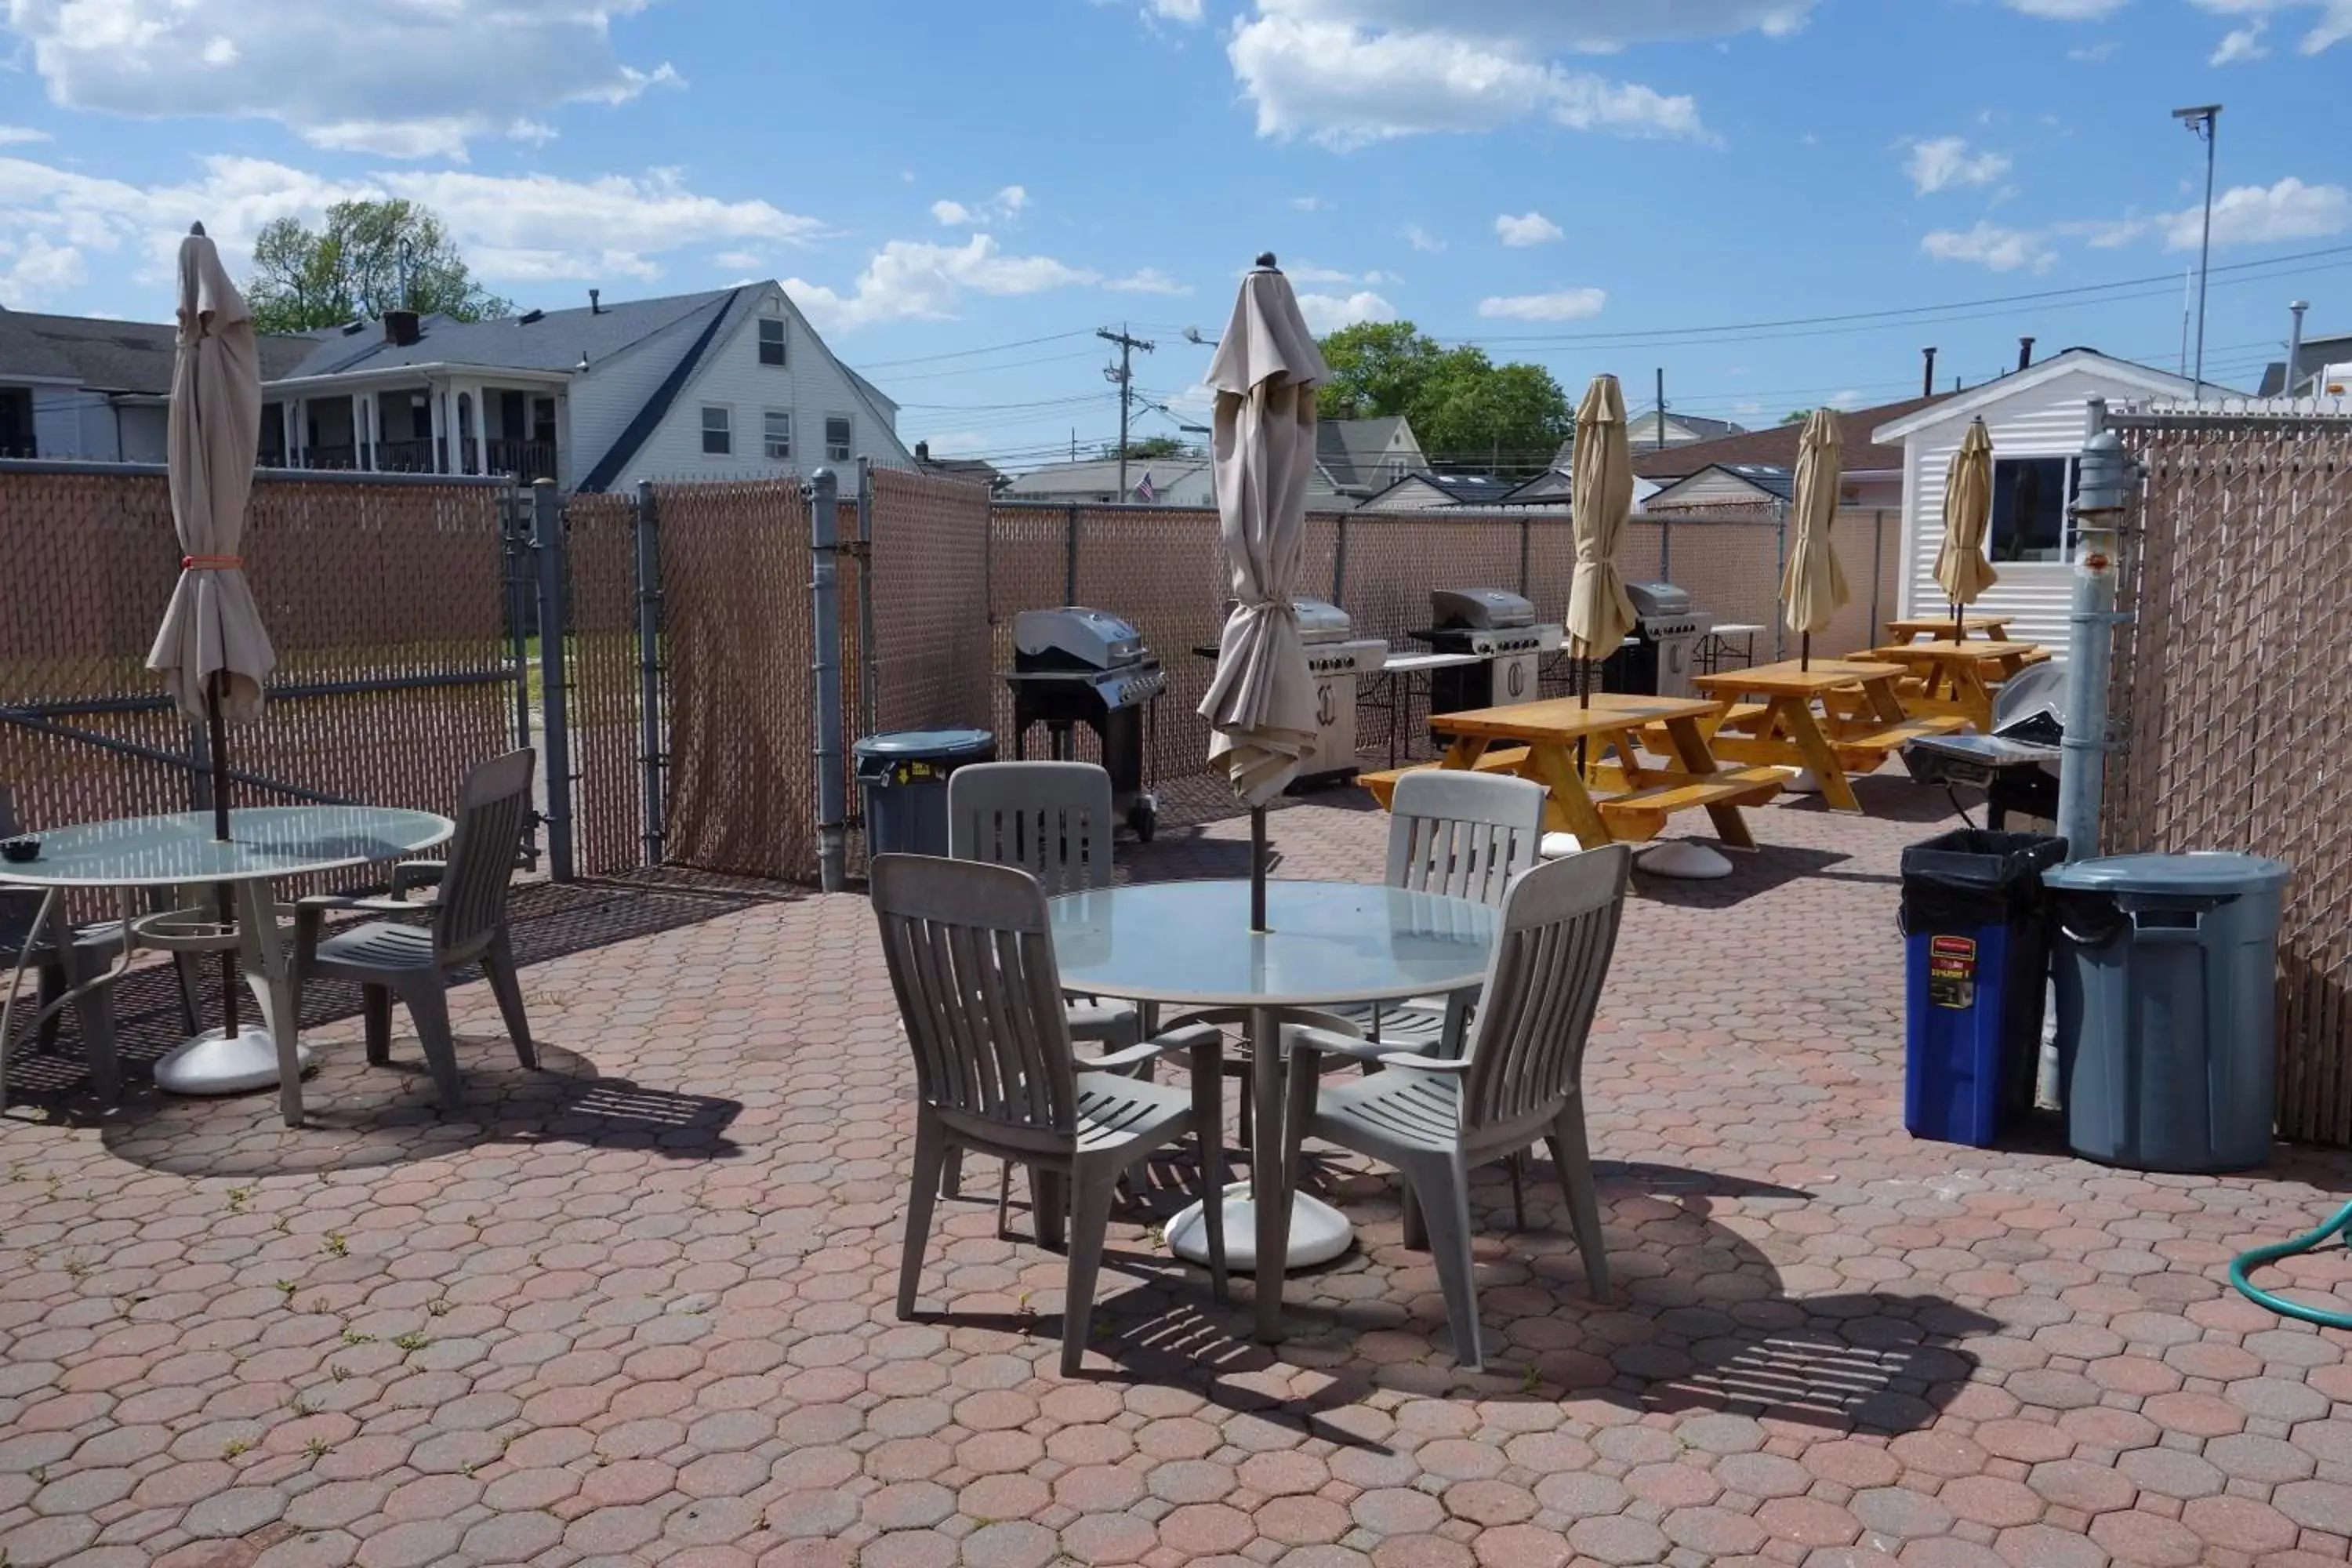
x: 2107, y: 478
x: 547, y: 546
x: 870, y: 686
x: 654, y: 754
x: 823, y: 492
x: 1070, y: 556
x: 1339, y: 563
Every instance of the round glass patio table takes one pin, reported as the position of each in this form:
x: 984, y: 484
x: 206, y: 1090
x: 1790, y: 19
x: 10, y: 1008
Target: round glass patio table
x: 1188, y: 945
x: 179, y: 850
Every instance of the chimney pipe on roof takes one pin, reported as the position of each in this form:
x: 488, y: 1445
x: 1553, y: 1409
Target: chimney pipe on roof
x: 595, y: 304
x: 1927, y: 375
x: 400, y: 329
x: 2294, y: 345
x: 922, y: 451
x: 2025, y: 354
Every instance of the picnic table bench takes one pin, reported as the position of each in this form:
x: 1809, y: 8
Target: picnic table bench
x: 1957, y: 678
x: 1935, y: 628
x: 1783, y: 729
x: 1630, y: 800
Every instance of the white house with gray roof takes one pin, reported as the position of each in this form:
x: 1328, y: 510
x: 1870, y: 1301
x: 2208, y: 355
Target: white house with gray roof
x: 77, y: 386
x: 727, y: 384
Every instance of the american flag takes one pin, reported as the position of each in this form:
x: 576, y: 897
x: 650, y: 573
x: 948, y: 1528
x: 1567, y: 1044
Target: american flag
x: 1143, y: 490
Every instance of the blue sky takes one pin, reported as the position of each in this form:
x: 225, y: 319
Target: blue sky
x: 959, y: 193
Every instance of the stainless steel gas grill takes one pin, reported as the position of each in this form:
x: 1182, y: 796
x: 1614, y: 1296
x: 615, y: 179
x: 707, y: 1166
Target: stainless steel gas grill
x: 1498, y: 625
x: 1075, y: 666
x: 1661, y: 657
x: 1335, y: 658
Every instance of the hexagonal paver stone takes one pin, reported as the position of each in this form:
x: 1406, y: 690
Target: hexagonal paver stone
x: 410, y: 1545
x: 239, y: 1511
x: 2079, y: 1484
x: 2171, y: 1472
x: 1015, y: 1543
x: 1618, y: 1538
x: 1809, y: 1522
x: 512, y: 1537
x: 1717, y: 1532
x: 2148, y: 1540
x: 2316, y: 1505
x: 1900, y: 1511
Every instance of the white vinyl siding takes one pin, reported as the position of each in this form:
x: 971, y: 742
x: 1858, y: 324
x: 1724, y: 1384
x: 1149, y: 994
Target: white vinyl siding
x: 717, y: 431
x: 776, y: 434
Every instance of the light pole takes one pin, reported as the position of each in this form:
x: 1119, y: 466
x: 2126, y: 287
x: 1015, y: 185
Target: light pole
x: 2202, y: 121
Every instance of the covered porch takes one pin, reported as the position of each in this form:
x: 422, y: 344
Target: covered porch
x: 413, y: 422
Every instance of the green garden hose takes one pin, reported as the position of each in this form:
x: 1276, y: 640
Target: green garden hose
x: 2338, y: 1229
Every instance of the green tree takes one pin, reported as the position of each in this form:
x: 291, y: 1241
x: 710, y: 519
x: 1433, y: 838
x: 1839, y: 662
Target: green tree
x: 1149, y: 447
x: 1796, y: 416
x: 1467, y: 411
x: 367, y: 258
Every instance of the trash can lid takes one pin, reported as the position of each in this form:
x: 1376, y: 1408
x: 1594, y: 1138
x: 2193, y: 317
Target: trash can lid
x: 2209, y: 872
x: 929, y: 744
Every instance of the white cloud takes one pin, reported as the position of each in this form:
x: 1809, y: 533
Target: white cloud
x: 12, y: 135
x: 1939, y: 163
x: 914, y: 279
x: 1308, y: 272
x: 2068, y: 10
x: 1990, y: 246
x: 1530, y: 228
x: 2241, y: 43
x: 2332, y: 26
x: 742, y: 260
x: 1307, y: 203
x: 1566, y: 305
x: 1845, y: 397
x: 1002, y: 208
x: 34, y: 272
x: 1422, y: 239
x: 403, y: 79
x: 1348, y: 72
x: 2092, y: 54
x: 1148, y: 280
x: 1173, y: 10
x: 1330, y: 313
x: 2263, y: 214
x: 519, y: 229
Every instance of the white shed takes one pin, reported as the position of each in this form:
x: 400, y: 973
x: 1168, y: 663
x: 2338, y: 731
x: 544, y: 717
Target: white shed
x: 2036, y: 418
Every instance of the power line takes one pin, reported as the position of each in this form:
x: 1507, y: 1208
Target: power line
x: 967, y: 353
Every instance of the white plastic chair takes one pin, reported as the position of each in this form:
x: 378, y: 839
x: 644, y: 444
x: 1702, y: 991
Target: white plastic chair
x: 970, y: 957
x: 1520, y: 1078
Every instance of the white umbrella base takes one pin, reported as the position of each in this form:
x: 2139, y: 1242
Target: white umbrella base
x: 1681, y: 858
x: 211, y: 1064
x: 1804, y: 781
x: 1558, y: 846
x: 1319, y: 1233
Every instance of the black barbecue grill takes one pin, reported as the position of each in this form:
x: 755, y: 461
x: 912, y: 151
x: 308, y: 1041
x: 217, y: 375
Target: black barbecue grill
x: 1075, y: 666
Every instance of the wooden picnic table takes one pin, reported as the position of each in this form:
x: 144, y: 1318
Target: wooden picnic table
x: 1540, y: 740
x: 1934, y: 628
x: 1780, y: 727
x: 1958, y: 678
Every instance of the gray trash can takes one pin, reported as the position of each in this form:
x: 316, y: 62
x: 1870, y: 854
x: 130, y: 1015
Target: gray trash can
x: 2166, y: 969
x: 905, y: 779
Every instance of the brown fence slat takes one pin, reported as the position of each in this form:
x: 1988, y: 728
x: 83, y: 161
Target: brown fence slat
x: 602, y: 703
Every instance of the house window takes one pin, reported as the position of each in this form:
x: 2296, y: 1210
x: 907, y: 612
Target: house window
x: 776, y: 434
x: 836, y: 438
x: 718, y: 433
x: 2029, y: 508
x: 771, y: 340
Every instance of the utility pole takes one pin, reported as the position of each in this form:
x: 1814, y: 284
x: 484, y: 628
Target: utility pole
x: 2202, y: 122
x: 1124, y: 375
x: 2295, y: 345
x: 1659, y: 429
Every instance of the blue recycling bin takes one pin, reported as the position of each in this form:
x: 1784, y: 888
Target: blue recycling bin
x: 1977, y: 959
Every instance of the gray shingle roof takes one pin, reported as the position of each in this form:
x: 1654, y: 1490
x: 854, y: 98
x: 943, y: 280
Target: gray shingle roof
x: 111, y: 356
x: 1351, y: 450
x: 554, y: 341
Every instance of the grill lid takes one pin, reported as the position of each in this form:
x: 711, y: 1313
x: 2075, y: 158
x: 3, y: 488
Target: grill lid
x: 1479, y: 609
x: 1320, y: 622
x: 1659, y: 601
x: 1073, y: 633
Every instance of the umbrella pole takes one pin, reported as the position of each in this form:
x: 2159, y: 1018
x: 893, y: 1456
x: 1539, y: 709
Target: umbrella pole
x: 1804, y: 651
x: 218, y: 732
x: 1257, y: 869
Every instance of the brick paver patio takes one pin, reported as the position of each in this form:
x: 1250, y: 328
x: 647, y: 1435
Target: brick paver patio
x: 640, y: 1314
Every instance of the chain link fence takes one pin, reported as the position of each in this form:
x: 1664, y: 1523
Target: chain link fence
x: 2229, y: 699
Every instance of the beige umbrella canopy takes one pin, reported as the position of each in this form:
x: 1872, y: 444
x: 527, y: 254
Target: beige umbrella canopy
x: 1814, y: 584
x: 1961, y: 564
x: 1601, y: 487
x: 1261, y: 701
x: 212, y: 629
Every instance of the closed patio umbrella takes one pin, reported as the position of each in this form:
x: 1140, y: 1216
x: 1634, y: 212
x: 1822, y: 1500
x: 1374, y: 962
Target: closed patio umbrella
x: 212, y: 650
x: 1601, y: 487
x: 1261, y: 701
x: 1814, y: 584
x: 1960, y: 565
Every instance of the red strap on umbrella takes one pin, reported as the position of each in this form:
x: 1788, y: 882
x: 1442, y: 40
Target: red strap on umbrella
x: 212, y: 562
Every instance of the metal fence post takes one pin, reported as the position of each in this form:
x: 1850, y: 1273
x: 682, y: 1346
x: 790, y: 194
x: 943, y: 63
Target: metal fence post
x: 2107, y: 478
x: 1339, y: 561
x: 514, y: 550
x: 547, y: 544
x: 869, y: 687
x: 1779, y: 573
x: 1070, y: 557
x: 1665, y: 549
x: 1524, y: 525
x: 1878, y: 574
x: 824, y: 492
x: 655, y: 755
